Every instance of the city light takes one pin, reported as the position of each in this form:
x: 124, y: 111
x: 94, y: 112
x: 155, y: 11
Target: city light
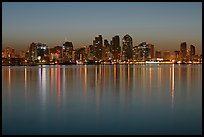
x: 113, y: 53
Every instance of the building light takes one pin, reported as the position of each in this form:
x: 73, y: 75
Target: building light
x: 39, y: 57
x: 179, y: 62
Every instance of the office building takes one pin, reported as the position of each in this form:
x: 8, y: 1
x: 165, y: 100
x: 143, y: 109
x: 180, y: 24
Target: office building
x: 98, y: 47
x: 151, y: 51
x: 183, y: 50
x: 143, y: 51
x: 127, y: 47
x: 115, y: 47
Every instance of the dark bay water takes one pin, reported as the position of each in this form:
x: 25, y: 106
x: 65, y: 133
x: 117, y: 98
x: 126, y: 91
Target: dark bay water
x: 109, y: 99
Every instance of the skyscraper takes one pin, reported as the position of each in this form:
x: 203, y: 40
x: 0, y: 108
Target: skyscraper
x: 42, y: 51
x: 127, y: 47
x: 135, y: 53
x: 192, y: 50
x: 151, y: 51
x: 98, y: 47
x: 107, y: 50
x: 67, y: 50
x: 33, y: 51
x: 143, y: 51
x: 115, y: 47
x: 183, y: 50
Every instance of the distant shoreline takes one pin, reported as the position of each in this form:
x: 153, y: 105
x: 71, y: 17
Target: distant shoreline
x: 106, y: 64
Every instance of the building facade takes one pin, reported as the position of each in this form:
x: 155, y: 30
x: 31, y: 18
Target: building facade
x: 115, y: 47
x: 98, y: 47
x: 127, y: 47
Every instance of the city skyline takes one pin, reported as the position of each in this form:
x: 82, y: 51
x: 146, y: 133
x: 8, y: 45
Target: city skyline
x: 164, y: 25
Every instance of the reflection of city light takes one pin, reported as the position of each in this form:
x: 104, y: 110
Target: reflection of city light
x: 85, y: 79
x: 172, y: 86
x: 114, y: 72
x: 58, y: 80
x: 9, y: 78
x: 150, y: 76
x: 25, y: 77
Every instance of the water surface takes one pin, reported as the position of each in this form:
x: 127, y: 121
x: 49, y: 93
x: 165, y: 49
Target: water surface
x: 102, y: 99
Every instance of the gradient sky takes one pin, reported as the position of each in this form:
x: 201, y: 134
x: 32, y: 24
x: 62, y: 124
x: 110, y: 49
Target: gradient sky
x: 165, y: 25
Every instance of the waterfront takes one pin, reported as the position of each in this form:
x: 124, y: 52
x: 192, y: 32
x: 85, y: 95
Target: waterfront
x: 102, y: 99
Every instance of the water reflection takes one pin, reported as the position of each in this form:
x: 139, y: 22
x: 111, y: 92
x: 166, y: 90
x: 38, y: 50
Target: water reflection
x: 103, y: 97
x: 58, y: 80
x: 172, y: 86
x: 9, y: 80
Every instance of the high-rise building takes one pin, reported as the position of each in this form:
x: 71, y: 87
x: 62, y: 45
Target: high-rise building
x: 143, y: 51
x: 107, y: 50
x: 192, y: 50
x: 42, y: 51
x: 67, y: 50
x: 151, y: 51
x: 183, y: 50
x: 135, y: 53
x: 98, y: 47
x: 33, y: 51
x: 115, y: 47
x: 127, y: 47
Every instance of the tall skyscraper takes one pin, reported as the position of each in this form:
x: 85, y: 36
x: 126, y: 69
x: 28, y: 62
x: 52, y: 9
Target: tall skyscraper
x: 183, y: 50
x: 67, y: 50
x: 42, y: 51
x: 135, y: 53
x: 143, y: 51
x: 33, y: 51
x: 151, y: 51
x: 127, y: 47
x: 98, y: 47
x: 192, y: 50
x: 115, y: 47
x: 107, y: 49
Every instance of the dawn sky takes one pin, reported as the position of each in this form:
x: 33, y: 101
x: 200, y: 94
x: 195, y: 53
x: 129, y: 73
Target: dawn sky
x: 165, y: 25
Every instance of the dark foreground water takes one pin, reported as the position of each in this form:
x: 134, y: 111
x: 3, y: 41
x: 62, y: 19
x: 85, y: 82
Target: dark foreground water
x: 110, y: 99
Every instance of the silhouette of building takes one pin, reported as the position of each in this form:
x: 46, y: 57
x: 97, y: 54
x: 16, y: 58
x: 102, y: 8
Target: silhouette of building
x: 127, y: 47
x: 151, y: 51
x: 192, y: 50
x: 115, y: 47
x: 143, y: 51
x: 98, y: 47
x: 107, y: 50
x: 183, y: 50
x: 33, y: 51
x: 42, y: 52
x: 135, y: 53
x: 67, y: 49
